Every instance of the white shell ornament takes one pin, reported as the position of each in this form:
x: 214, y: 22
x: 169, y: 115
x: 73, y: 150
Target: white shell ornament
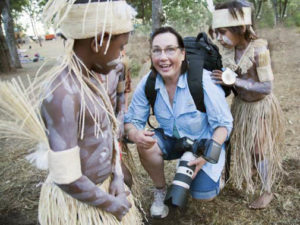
x: 229, y: 77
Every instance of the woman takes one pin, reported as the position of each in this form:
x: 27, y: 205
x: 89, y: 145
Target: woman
x: 178, y: 117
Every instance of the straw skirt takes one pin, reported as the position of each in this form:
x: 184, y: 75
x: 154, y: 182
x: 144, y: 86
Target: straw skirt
x: 257, y: 137
x: 58, y: 208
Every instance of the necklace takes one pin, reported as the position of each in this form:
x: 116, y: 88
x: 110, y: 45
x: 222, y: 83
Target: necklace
x: 245, y: 62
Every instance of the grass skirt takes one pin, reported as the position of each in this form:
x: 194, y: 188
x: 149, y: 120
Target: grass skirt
x: 258, y: 129
x: 58, y: 208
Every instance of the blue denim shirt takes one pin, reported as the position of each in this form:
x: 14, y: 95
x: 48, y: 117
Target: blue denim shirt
x: 188, y: 120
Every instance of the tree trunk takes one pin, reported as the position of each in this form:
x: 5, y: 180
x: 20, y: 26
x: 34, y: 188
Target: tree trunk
x: 280, y: 10
x: 259, y: 7
x: 275, y: 5
x: 284, y: 9
x: 143, y: 11
x: 157, y: 14
x: 10, y: 35
x: 5, y: 63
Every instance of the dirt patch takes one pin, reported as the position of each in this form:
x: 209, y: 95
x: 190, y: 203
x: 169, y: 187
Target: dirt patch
x: 20, y: 183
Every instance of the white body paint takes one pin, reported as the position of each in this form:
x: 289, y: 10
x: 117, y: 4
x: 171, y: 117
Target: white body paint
x: 227, y: 41
x: 114, y: 62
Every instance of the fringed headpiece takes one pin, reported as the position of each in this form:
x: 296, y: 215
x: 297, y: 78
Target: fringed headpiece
x: 83, y: 19
x: 80, y: 19
x: 223, y: 18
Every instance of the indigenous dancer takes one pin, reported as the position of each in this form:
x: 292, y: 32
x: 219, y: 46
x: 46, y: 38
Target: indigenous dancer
x: 85, y: 183
x: 258, y: 121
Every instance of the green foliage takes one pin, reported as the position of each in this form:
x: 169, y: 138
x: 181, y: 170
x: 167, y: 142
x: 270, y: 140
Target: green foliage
x: 19, y: 5
x: 32, y: 7
x: 266, y: 18
x: 144, y: 9
x: 178, y: 14
x: 189, y: 16
x: 293, y: 17
x: 293, y: 20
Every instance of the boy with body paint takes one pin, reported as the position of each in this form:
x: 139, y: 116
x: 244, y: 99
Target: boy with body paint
x: 81, y: 124
x: 258, y: 122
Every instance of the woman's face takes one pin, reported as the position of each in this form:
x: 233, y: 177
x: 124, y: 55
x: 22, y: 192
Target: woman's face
x: 227, y: 38
x: 166, y: 55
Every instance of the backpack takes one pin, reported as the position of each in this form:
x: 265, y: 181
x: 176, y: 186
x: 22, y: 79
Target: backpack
x: 201, y: 53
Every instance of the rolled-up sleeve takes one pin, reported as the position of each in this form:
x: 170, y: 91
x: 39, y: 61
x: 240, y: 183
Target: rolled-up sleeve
x: 217, y: 109
x: 139, y: 107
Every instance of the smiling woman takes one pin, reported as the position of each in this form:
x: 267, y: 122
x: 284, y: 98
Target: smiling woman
x: 178, y: 118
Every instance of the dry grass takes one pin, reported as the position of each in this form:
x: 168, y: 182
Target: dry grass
x: 19, y: 181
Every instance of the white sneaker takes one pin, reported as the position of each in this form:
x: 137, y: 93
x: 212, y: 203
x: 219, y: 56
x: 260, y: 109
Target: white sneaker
x: 158, y: 209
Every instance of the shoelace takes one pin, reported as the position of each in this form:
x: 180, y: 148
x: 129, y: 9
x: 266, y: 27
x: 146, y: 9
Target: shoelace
x: 159, y: 196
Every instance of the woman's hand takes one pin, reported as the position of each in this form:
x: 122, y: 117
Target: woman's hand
x: 143, y: 139
x: 199, y: 162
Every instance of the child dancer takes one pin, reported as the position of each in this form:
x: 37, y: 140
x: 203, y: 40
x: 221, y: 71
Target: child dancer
x: 258, y: 120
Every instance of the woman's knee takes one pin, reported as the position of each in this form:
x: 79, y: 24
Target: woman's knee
x: 146, y: 153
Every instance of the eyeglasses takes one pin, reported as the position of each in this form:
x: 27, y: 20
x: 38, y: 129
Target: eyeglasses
x: 169, y: 51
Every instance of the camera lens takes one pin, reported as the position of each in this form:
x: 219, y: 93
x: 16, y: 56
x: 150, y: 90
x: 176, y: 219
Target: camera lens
x: 178, y: 192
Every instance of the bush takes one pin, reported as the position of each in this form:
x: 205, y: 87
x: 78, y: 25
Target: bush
x: 188, y: 17
x: 293, y: 20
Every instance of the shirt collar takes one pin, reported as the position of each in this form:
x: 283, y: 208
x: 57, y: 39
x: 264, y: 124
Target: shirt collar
x: 182, y: 82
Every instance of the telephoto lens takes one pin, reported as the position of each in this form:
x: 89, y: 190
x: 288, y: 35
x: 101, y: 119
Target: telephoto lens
x: 178, y: 192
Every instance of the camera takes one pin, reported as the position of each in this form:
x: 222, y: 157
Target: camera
x: 207, y: 148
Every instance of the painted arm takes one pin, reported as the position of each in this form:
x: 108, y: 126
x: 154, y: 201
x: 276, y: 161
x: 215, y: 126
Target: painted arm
x: 254, y: 86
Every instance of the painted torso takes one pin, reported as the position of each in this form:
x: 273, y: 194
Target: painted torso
x: 62, y: 117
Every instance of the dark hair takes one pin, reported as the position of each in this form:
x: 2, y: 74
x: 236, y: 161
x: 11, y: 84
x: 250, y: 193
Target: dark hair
x: 235, y: 7
x: 171, y: 30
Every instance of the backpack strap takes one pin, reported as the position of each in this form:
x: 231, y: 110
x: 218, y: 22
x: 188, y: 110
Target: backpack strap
x: 194, y: 79
x: 150, y: 91
x: 213, y: 61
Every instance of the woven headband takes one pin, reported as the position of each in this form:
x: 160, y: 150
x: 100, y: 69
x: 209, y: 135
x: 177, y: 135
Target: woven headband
x: 80, y: 21
x: 223, y: 18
